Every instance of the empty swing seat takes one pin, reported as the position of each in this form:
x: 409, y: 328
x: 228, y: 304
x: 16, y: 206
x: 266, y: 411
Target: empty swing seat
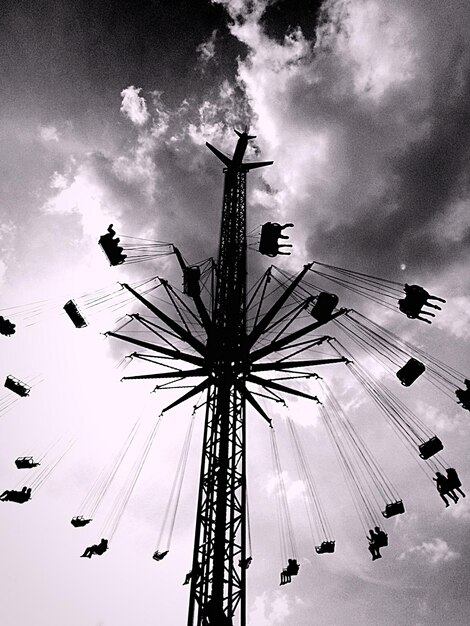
x: 394, y: 508
x: 17, y: 386
x: 430, y: 447
x: 410, y: 372
x: 72, y: 311
x: 191, y: 277
x: 325, y: 547
x: 324, y: 306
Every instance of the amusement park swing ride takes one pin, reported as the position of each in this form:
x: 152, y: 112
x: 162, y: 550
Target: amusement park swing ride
x: 234, y: 346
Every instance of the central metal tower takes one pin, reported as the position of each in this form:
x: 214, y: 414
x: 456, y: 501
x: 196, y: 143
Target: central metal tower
x: 227, y: 359
x: 219, y: 546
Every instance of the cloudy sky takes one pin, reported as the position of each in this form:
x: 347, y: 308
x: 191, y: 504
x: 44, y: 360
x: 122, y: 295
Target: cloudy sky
x: 106, y: 107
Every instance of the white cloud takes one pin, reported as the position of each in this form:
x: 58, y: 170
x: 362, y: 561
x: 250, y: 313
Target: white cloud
x: 84, y: 196
x: 454, y: 225
x: 241, y: 10
x: 3, y: 269
x: 438, y: 420
x: 295, y: 488
x: 138, y: 167
x: 134, y: 106
x: 269, y: 608
x: 160, y: 116
x: 49, y: 133
x: 375, y: 44
x: 435, y: 551
x: 7, y: 246
x: 462, y: 511
x: 206, y: 50
x: 455, y: 317
x: 58, y: 181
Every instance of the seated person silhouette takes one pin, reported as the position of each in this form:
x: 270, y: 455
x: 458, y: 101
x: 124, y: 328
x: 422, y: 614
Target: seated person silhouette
x: 292, y: 569
x: 444, y: 488
x: 382, y: 537
x: 245, y: 563
x: 415, y: 298
x: 374, y: 543
x: 12, y: 495
x: 413, y: 310
x: 99, y: 549
x: 158, y: 556
x: 192, y: 574
x: 79, y: 521
x: 421, y: 296
x: 454, y: 481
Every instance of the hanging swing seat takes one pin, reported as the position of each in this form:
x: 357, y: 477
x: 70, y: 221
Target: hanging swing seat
x: 324, y: 306
x: 269, y: 244
x: 17, y: 386
x: 292, y: 569
x: 325, y: 547
x: 453, y: 478
x: 13, y: 495
x: 382, y: 539
x: 393, y: 508
x: 158, y: 556
x: 191, y: 277
x: 410, y: 372
x: 79, y: 521
x: 430, y: 447
x: 463, y: 398
x: 25, y: 462
x: 245, y: 563
x: 73, y: 312
x: 97, y: 548
x: 7, y: 328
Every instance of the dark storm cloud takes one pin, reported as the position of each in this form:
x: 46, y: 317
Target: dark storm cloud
x: 370, y: 128
x: 188, y: 189
x: 424, y: 180
x: 70, y: 57
x: 283, y: 16
x: 397, y: 139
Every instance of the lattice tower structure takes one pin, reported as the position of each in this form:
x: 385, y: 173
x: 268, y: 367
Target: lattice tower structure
x: 221, y: 522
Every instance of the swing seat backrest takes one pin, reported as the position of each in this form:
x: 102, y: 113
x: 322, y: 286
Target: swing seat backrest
x: 394, y: 508
x: 410, y: 372
x: 430, y: 447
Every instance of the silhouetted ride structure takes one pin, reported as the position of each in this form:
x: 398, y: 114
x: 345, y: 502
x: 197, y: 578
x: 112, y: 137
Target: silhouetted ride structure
x: 227, y: 360
x: 229, y: 352
x: 231, y: 345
